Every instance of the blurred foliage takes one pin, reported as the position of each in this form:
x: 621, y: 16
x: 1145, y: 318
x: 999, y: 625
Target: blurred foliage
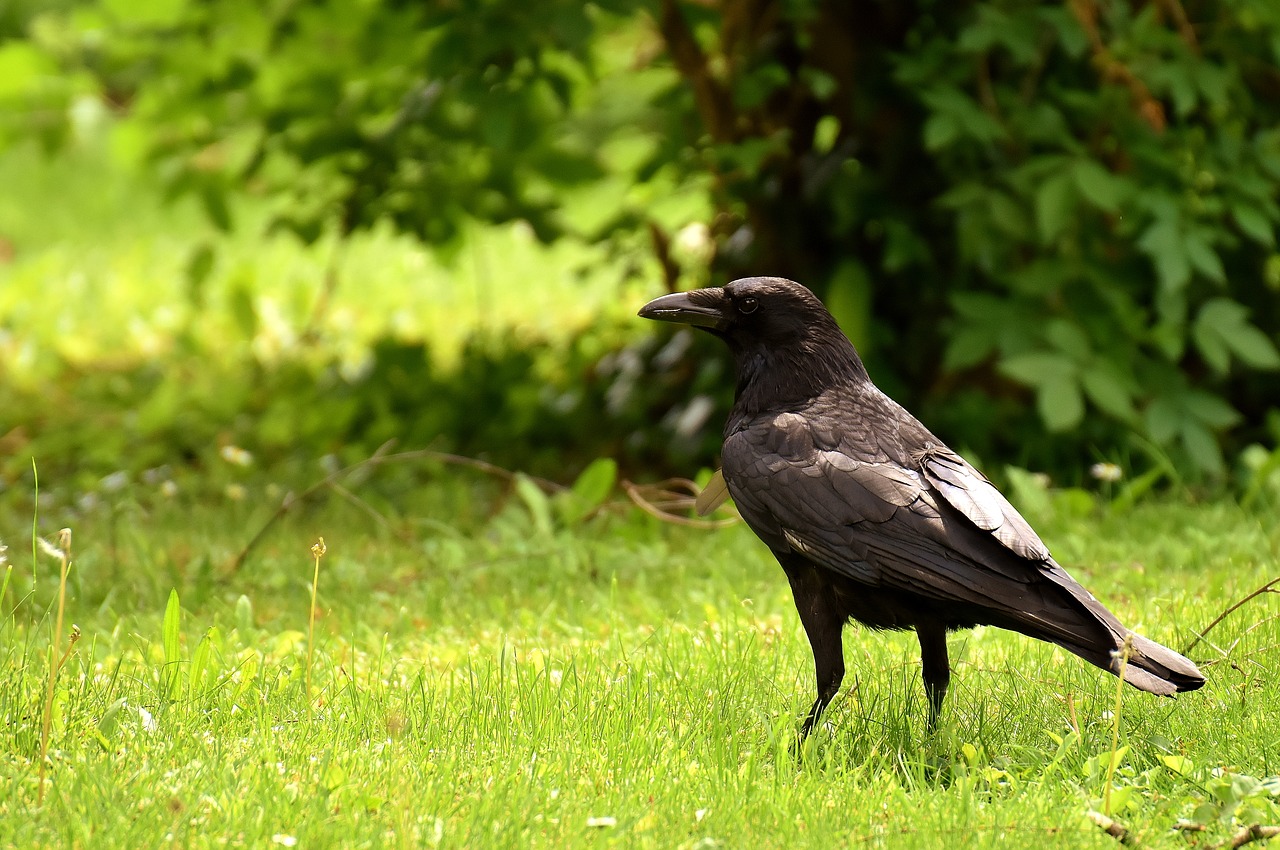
x: 1050, y: 226
x: 547, y: 407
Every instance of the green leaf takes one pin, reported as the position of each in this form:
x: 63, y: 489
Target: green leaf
x: 1038, y: 367
x: 1122, y: 798
x: 969, y: 347
x: 1055, y: 204
x: 1202, y: 447
x: 1162, y: 242
x: 595, y: 483
x: 1060, y: 403
x: 1254, y: 347
x: 1106, y: 390
x: 199, y: 666
x: 1007, y: 214
x: 1099, y: 186
x: 536, y: 502
x: 244, y: 309
x: 215, y: 205
x: 110, y: 720
x: 825, y: 134
x: 963, y: 115
x: 199, y: 265
x: 1136, y: 488
x: 1203, y: 258
x: 1163, y: 418
x: 244, y: 614
x: 1254, y: 223
x: 1068, y: 338
x: 1072, y: 36
x: 1222, y: 326
x: 588, y: 492
x: 1209, y: 409
x: 940, y: 130
x: 753, y: 88
x: 1212, y: 347
x: 171, y: 629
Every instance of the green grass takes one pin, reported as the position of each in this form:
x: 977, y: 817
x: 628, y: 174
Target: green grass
x: 102, y: 278
x: 490, y: 681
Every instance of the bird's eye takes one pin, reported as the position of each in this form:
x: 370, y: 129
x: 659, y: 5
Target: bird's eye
x: 748, y: 305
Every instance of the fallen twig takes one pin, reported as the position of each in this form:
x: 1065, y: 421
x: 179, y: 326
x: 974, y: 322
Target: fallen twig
x: 1269, y: 587
x: 1111, y: 827
x: 664, y: 498
x: 378, y: 458
x: 1248, y: 835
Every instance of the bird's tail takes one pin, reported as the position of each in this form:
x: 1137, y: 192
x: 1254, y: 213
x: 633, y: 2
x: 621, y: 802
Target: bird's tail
x: 1156, y: 669
x: 1149, y: 667
x: 1093, y: 633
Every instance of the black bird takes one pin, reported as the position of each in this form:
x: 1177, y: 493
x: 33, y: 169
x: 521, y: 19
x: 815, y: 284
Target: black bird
x: 871, y: 516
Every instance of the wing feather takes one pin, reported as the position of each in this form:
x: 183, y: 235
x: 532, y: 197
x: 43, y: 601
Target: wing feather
x: 881, y: 523
x: 969, y: 492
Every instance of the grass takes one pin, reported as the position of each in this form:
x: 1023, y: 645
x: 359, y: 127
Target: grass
x: 498, y: 682
x: 90, y: 285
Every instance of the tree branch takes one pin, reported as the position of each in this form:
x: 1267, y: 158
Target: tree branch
x: 714, y: 103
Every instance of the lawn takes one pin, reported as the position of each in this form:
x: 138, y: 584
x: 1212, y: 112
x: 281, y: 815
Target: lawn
x: 486, y: 671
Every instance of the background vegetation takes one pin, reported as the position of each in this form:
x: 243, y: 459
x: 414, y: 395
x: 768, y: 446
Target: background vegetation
x: 1050, y: 226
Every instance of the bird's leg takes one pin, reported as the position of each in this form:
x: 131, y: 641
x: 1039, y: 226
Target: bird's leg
x: 937, y: 670
x: 823, y: 623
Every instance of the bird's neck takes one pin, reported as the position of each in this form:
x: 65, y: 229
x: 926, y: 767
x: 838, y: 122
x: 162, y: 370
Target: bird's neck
x: 788, y: 377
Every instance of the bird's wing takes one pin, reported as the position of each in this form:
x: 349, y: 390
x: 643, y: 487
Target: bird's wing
x: 881, y: 523
x: 968, y: 491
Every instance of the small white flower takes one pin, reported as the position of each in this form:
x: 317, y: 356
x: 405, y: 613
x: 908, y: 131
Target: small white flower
x: 284, y: 840
x: 236, y: 455
x: 148, y: 720
x: 1108, y: 472
x: 114, y: 482
x: 168, y: 488
x: 602, y: 822
x: 48, y: 548
x: 695, y: 238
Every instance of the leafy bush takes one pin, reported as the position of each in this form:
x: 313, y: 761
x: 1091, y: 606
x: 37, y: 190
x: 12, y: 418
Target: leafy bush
x: 1050, y: 226
x: 547, y: 407
x: 1074, y: 198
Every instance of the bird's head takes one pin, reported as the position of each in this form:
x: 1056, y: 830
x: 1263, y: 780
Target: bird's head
x: 772, y: 325
x: 753, y: 310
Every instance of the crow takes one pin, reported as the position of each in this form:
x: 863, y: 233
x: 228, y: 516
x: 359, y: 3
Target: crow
x: 875, y: 519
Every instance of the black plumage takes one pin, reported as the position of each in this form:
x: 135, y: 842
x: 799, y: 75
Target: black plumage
x: 871, y: 516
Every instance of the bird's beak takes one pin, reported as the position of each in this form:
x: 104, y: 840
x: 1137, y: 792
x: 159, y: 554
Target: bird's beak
x: 700, y: 308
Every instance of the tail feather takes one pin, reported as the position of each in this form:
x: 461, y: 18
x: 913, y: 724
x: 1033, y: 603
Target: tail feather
x: 1158, y: 669
x: 1098, y: 637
